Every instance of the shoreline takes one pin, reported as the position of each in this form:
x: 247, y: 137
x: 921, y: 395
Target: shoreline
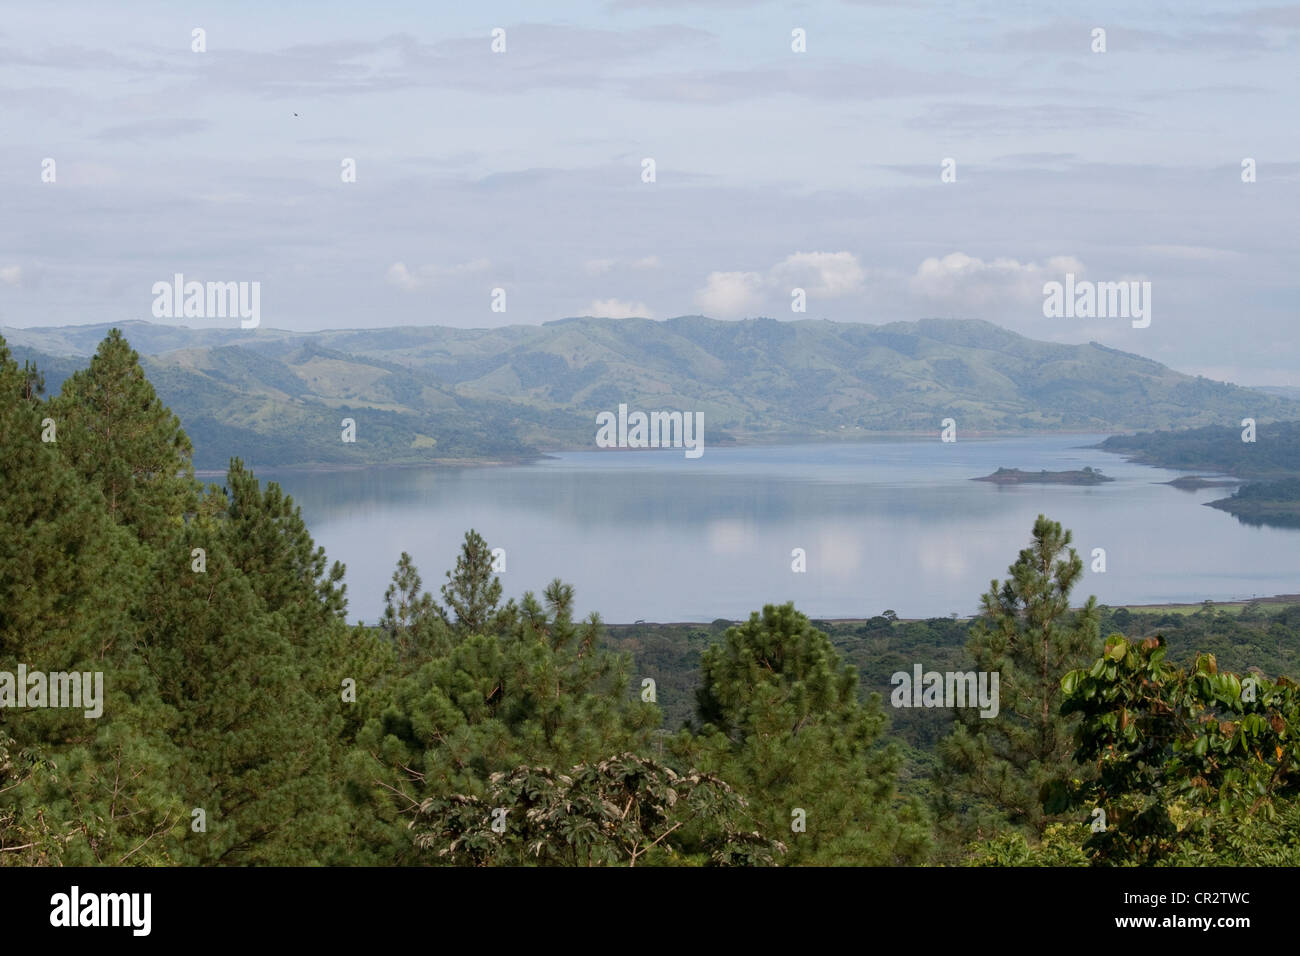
x: 553, y: 453
x: 367, y: 466
x: 1273, y: 599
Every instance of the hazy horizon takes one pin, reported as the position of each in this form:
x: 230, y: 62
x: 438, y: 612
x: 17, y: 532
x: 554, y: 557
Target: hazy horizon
x: 775, y: 169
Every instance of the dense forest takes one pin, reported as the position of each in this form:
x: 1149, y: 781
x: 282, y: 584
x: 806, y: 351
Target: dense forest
x: 1271, y: 450
x: 243, y: 721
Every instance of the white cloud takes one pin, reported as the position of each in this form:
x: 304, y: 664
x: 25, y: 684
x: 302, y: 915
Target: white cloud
x: 11, y: 275
x: 967, y: 282
x: 618, y: 309
x: 822, y: 274
x: 825, y: 275
x: 399, y: 275
x: 730, y: 295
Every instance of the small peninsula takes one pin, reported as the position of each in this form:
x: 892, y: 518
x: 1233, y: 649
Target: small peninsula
x: 1197, y: 482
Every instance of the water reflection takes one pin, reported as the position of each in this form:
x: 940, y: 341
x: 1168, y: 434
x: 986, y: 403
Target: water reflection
x: 883, y: 524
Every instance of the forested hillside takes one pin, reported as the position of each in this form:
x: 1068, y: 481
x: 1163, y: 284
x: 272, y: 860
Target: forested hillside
x: 237, y: 719
x: 1267, y: 455
x: 443, y: 394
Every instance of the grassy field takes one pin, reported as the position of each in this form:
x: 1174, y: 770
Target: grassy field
x: 1277, y: 602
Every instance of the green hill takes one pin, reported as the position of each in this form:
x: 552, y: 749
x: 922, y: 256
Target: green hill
x: 433, y: 393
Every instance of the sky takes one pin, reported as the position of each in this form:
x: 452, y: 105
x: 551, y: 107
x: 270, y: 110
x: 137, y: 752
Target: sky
x: 774, y: 169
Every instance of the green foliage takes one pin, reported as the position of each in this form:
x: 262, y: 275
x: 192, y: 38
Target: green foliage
x: 33, y: 381
x: 622, y: 810
x: 782, y: 722
x: 1061, y: 845
x: 1237, y: 839
x: 68, y: 574
x: 1274, y: 454
x: 118, y: 435
x: 1173, y: 748
x: 26, y: 836
x: 411, y: 620
x: 473, y: 591
x: 1272, y: 461
x: 271, y: 545
x: 61, y: 558
x: 232, y: 682
x: 1265, y: 503
x: 235, y: 687
x: 537, y: 690
x: 993, y: 769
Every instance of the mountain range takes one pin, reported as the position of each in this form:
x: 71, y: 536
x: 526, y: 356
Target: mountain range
x: 439, y: 394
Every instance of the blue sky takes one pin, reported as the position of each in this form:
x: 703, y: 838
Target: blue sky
x: 774, y: 169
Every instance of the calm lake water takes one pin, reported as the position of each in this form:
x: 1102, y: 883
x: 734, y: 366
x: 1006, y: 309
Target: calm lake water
x: 885, y: 524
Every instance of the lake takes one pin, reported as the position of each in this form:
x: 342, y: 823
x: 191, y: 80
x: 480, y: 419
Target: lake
x: 884, y: 524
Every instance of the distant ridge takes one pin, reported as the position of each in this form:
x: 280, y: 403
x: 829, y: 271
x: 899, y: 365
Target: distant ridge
x: 434, y: 393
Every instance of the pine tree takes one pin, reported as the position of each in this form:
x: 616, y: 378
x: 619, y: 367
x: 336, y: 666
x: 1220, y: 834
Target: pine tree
x: 539, y: 692
x: 86, y: 790
x: 782, y: 723
x: 33, y: 381
x: 473, y: 591
x: 60, y: 559
x: 993, y: 770
x: 118, y: 435
x: 256, y: 759
x: 411, y: 619
x: 265, y: 535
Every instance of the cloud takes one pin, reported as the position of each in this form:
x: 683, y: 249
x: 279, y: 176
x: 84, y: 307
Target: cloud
x: 968, y: 282
x: 730, y: 295
x: 404, y: 278
x: 618, y: 309
x: 823, y: 274
x: 11, y: 275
